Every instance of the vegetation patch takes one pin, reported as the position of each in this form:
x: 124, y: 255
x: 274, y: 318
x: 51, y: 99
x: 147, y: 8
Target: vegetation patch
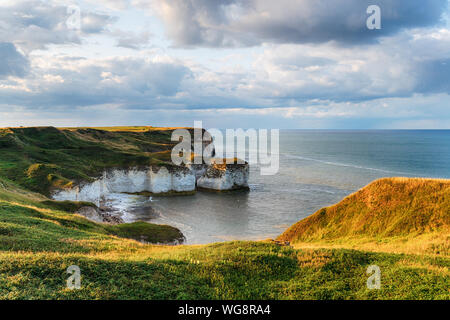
x: 385, y: 210
x: 47, y: 158
x: 69, y: 206
x: 234, y: 270
x: 147, y: 232
x: 40, y: 238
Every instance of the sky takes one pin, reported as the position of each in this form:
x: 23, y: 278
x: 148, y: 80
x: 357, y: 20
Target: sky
x: 287, y: 64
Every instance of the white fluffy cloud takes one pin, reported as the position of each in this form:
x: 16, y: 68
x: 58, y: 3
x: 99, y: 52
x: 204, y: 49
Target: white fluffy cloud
x: 35, y: 24
x: 132, y: 40
x: 291, y: 75
x: 313, y: 62
x: 67, y: 83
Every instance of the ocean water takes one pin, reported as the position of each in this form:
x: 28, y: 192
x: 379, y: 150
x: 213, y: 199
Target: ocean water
x: 317, y: 169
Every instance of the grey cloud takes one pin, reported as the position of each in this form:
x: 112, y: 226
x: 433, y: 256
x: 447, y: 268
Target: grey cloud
x: 95, y: 23
x: 434, y: 76
x: 131, y: 40
x: 130, y: 81
x: 12, y: 62
x: 280, y: 76
x: 228, y: 23
x: 112, y: 4
x: 34, y: 24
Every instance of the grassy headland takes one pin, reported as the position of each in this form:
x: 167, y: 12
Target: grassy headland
x: 40, y: 159
x: 390, y: 214
x: 34, y: 161
x: 40, y: 238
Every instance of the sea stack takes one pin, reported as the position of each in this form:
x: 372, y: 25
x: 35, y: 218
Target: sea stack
x: 225, y: 177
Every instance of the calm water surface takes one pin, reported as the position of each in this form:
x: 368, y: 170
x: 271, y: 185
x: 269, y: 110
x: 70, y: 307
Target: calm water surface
x: 317, y: 169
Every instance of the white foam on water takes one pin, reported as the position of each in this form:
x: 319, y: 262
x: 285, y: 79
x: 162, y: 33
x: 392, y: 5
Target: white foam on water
x: 338, y: 164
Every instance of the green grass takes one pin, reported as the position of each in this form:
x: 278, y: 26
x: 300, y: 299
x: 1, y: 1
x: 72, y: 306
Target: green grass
x: 388, y: 213
x: 147, y: 232
x: 40, y: 238
x: 69, y: 206
x: 32, y: 225
x: 42, y: 159
x: 235, y: 270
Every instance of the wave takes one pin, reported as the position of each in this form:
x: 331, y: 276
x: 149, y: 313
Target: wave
x: 338, y: 164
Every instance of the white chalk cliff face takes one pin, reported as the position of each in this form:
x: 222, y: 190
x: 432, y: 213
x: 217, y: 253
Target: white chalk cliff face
x: 151, y: 179
x: 158, y: 180
x: 224, y: 177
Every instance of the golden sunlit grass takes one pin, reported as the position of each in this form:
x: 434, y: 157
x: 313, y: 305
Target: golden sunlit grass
x: 127, y: 128
x: 443, y: 270
x: 398, y: 224
x: 44, y: 158
x: 38, y: 243
x: 398, y: 215
x: 433, y: 244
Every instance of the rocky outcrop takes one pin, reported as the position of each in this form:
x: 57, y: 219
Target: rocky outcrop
x: 134, y: 180
x: 224, y: 177
x: 99, y: 215
x: 159, y: 180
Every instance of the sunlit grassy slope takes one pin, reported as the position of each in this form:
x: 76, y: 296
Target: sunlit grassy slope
x: 39, y: 242
x: 39, y: 238
x: 33, y: 161
x: 40, y: 159
x: 29, y: 221
x: 391, y: 214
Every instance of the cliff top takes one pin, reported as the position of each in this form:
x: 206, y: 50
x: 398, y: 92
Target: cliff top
x: 112, y: 129
x: 42, y: 158
x: 386, y: 208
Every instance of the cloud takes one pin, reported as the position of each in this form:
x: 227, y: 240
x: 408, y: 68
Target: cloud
x: 70, y: 83
x: 315, y: 60
x: 92, y: 23
x: 131, y: 40
x: 235, y: 23
x: 112, y: 4
x: 35, y: 24
x: 13, y: 63
x: 281, y: 76
x: 384, y: 113
x: 434, y: 76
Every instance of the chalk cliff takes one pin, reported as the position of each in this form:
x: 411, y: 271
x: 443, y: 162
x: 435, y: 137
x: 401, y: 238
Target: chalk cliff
x: 159, y: 180
x: 223, y: 177
x: 151, y: 179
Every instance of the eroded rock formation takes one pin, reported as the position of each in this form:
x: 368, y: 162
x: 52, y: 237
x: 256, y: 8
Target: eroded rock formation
x: 223, y: 177
x: 157, y: 180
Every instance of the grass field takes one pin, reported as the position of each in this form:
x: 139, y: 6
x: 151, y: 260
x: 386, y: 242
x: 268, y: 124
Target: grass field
x: 41, y: 159
x: 400, y: 225
x: 38, y: 244
x: 407, y: 215
x: 113, y: 269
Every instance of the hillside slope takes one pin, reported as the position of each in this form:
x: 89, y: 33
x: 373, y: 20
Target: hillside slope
x: 30, y: 221
x: 40, y: 238
x: 43, y: 158
x: 386, y: 208
x: 38, y: 243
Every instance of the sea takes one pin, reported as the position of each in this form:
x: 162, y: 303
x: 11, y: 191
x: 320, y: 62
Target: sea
x: 317, y: 169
